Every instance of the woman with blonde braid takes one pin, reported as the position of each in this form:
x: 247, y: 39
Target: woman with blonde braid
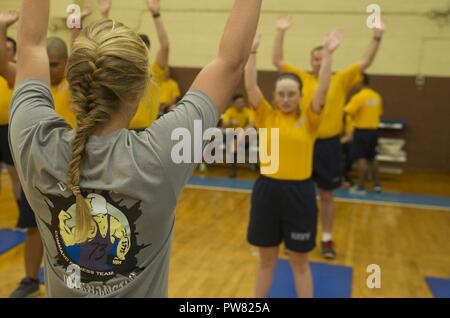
x: 104, y: 196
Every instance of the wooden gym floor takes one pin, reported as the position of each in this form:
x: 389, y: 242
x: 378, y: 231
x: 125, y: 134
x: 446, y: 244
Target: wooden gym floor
x: 211, y: 258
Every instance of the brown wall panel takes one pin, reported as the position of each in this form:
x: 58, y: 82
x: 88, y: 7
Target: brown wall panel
x: 426, y: 111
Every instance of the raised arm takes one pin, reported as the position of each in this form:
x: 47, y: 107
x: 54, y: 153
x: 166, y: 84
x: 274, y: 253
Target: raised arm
x: 283, y: 24
x: 331, y: 43
x: 251, y: 76
x: 7, y: 68
x: 105, y: 8
x: 220, y: 78
x: 75, y: 32
x: 162, y: 57
x: 32, y: 58
x: 373, y: 48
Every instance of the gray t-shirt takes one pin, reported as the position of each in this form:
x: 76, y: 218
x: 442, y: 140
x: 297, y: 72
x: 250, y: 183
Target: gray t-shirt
x: 131, y: 185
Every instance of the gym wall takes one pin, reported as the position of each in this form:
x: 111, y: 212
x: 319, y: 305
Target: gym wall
x: 417, y: 42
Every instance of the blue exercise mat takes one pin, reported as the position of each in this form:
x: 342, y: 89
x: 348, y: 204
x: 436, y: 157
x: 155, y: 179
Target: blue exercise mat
x: 10, y: 239
x: 440, y: 287
x: 330, y: 281
x: 384, y: 197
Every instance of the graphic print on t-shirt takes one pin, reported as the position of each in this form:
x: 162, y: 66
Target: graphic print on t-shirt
x: 111, y: 248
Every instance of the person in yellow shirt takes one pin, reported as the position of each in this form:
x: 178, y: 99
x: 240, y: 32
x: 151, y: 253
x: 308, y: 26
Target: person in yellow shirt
x: 170, y: 93
x: 238, y: 115
x: 148, y: 109
x: 327, y: 152
x: 366, y: 109
x: 58, y: 53
x: 283, y: 204
x: 8, y: 50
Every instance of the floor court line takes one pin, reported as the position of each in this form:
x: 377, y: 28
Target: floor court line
x: 386, y: 198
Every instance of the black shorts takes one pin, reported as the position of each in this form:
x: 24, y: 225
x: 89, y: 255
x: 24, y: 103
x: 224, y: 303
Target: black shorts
x: 27, y: 218
x: 5, y: 152
x: 327, y: 170
x: 283, y: 210
x: 365, y: 142
x: 347, y: 157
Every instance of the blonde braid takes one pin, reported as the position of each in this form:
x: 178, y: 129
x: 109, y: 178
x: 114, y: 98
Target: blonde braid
x: 107, y: 70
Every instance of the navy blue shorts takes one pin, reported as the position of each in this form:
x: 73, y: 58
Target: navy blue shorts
x: 283, y: 210
x: 327, y: 167
x: 365, y: 142
x: 27, y: 219
x: 5, y: 152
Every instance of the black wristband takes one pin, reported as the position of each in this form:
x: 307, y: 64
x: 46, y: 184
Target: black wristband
x: 377, y: 38
x: 254, y: 52
x: 156, y: 15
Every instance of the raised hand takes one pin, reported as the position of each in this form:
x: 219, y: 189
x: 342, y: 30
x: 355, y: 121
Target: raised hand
x: 154, y: 6
x: 87, y: 11
x: 105, y: 7
x: 284, y: 22
x: 333, y: 40
x: 8, y: 18
x: 379, y: 31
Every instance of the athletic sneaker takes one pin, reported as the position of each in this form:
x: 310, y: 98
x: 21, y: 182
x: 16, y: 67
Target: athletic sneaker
x: 28, y: 288
x: 358, y: 190
x: 328, y: 250
x: 377, y: 188
x: 348, y: 181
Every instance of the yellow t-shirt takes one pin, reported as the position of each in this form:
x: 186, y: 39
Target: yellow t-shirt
x: 244, y: 117
x: 296, y: 140
x: 148, y: 109
x: 61, y: 96
x: 169, y: 91
x: 341, y: 84
x: 366, y: 107
x: 5, y: 99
